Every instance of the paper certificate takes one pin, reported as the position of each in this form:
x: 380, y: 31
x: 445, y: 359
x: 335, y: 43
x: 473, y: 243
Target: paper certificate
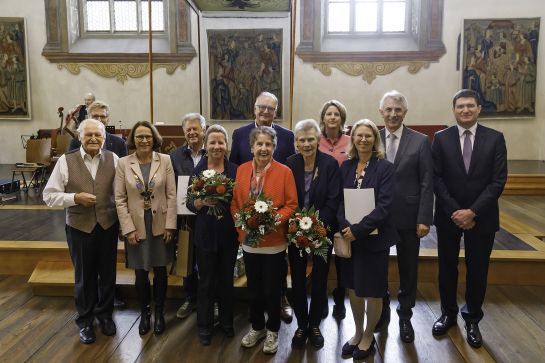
x: 183, y: 180
x: 358, y: 203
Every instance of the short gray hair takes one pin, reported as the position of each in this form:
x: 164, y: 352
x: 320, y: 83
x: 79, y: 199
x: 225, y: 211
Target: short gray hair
x: 266, y: 130
x: 98, y: 105
x: 91, y: 121
x: 396, y: 96
x: 268, y: 94
x: 194, y: 116
x: 218, y: 129
x: 307, y: 125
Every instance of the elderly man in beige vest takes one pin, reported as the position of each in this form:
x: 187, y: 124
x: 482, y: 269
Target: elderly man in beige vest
x: 82, y: 182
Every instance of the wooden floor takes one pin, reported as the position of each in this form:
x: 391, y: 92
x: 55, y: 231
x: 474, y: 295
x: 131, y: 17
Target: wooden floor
x: 41, y: 329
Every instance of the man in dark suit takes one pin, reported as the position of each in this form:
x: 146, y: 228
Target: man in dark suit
x: 101, y: 112
x: 470, y: 171
x: 184, y: 159
x: 265, y: 112
x: 412, y: 208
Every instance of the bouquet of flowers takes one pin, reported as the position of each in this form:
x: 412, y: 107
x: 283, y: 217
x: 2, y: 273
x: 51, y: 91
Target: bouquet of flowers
x: 257, y: 217
x: 306, y: 231
x: 212, y: 186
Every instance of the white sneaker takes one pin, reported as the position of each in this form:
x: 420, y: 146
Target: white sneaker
x: 271, y: 343
x: 252, y: 337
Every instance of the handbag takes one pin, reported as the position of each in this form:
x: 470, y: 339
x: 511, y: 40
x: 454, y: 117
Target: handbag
x: 341, y: 246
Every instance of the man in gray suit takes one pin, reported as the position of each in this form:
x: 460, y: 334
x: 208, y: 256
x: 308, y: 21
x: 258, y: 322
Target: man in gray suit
x: 412, y: 209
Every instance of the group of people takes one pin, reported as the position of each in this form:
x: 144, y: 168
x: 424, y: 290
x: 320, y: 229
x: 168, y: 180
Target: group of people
x: 135, y: 196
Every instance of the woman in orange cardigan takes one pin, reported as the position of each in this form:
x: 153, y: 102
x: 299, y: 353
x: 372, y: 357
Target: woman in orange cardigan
x: 264, y: 263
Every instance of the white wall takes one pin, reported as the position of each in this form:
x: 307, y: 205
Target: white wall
x: 429, y: 92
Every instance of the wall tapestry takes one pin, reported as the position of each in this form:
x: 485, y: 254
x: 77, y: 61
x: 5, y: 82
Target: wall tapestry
x: 242, y: 64
x: 14, y: 85
x: 499, y: 63
x: 247, y: 5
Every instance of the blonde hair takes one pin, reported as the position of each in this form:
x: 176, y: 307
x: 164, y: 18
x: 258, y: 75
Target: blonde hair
x: 378, y: 149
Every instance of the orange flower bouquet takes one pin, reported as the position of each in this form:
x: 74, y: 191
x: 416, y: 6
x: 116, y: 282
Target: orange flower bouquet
x: 212, y: 186
x: 257, y: 218
x: 307, y: 232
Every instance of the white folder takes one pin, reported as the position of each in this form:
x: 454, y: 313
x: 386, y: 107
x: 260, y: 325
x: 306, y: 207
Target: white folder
x: 181, y: 195
x: 358, y: 203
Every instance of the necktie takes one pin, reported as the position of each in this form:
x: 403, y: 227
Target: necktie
x: 468, y: 149
x: 391, y: 150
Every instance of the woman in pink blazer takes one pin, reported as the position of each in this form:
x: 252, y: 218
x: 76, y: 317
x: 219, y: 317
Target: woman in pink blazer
x: 145, y: 196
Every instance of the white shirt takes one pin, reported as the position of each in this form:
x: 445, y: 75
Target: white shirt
x: 389, y: 140
x: 54, y: 192
x: 196, y: 157
x: 461, y: 131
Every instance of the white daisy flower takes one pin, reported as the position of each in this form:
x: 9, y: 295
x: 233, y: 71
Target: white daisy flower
x: 208, y: 173
x: 260, y: 206
x: 305, y: 223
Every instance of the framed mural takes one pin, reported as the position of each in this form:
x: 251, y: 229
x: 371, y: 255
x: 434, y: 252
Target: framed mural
x: 242, y: 63
x: 14, y: 78
x: 499, y: 63
x: 247, y: 5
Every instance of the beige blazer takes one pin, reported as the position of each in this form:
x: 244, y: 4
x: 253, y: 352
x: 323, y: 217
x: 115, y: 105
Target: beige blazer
x: 129, y: 202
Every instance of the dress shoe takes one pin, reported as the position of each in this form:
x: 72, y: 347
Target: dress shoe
x: 299, y: 338
x: 362, y: 354
x: 316, y: 338
x: 186, y: 309
x: 443, y: 324
x: 384, y: 319
x: 107, y: 326
x: 159, y: 324
x: 473, y: 335
x: 348, y: 349
x: 339, y: 312
x: 406, y: 331
x: 205, y: 336
x: 87, y: 335
x: 145, y: 321
x: 286, y: 312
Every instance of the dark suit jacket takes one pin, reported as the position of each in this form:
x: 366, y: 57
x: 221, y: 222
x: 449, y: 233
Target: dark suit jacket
x: 113, y: 143
x: 240, y: 147
x: 478, y: 189
x: 325, y: 188
x: 182, y: 161
x: 380, y: 176
x: 413, y: 191
x: 211, y: 232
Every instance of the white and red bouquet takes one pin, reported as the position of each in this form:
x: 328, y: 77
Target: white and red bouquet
x: 211, y: 186
x: 307, y: 232
x: 257, y: 218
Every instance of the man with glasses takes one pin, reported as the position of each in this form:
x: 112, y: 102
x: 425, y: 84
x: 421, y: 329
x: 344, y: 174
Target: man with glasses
x: 101, y: 112
x: 265, y: 112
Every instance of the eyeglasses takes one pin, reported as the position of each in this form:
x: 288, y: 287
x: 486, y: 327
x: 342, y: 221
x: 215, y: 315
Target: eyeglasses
x: 100, y: 117
x: 143, y: 137
x: 264, y: 107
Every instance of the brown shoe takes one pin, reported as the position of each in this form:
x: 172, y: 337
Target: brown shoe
x: 286, y: 312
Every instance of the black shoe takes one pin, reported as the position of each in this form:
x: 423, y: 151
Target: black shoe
x: 286, y: 312
x: 473, y: 335
x: 159, y: 324
x: 325, y: 312
x: 339, y: 312
x: 145, y: 321
x: 119, y: 304
x: 406, y: 331
x: 87, y: 335
x: 443, y: 324
x: 107, y: 326
x: 228, y: 330
x: 384, y: 319
x: 316, y: 338
x: 299, y: 338
x: 205, y: 336
x: 362, y: 354
x: 348, y: 349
